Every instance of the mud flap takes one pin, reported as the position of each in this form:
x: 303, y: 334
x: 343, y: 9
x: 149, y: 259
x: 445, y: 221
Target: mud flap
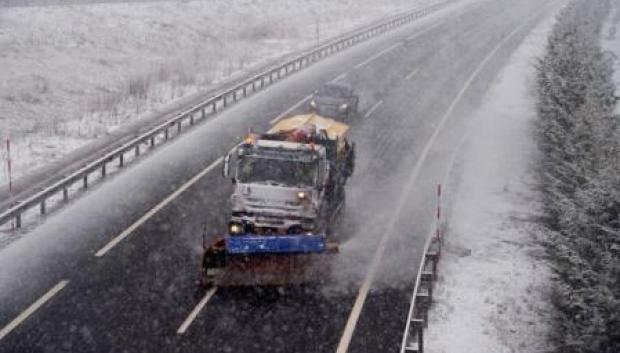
x: 213, y: 262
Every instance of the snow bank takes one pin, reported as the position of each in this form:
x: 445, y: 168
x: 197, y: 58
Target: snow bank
x: 492, y: 294
x: 73, y: 73
x: 611, y: 43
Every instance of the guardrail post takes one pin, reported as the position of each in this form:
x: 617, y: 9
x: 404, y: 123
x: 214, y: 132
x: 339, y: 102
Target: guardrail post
x: 191, y: 117
x: 43, y: 206
x: 422, y: 305
x: 430, y: 291
x: 435, y: 261
x: 65, y: 194
x: 245, y: 91
x: 166, y: 133
x: 235, y: 96
x: 103, y: 170
x: 137, y: 150
x: 121, y: 160
x: 203, y: 113
x: 152, y: 141
x: 420, y: 333
x: 224, y: 101
x: 180, y: 126
x: 18, y: 220
x: 85, y: 181
x: 214, y: 107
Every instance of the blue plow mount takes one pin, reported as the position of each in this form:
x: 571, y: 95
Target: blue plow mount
x: 274, y: 244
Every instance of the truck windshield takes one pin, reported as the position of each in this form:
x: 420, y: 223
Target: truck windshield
x: 276, y: 171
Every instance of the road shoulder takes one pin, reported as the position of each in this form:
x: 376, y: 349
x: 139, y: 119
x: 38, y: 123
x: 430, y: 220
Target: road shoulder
x: 493, y: 288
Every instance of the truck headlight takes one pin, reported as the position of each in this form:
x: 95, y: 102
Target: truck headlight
x: 343, y: 107
x: 235, y: 228
x: 313, y: 103
x: 302, y: 195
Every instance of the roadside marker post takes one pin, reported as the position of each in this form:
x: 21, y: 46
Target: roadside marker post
x: 10, y: 174
x: 438, y: 220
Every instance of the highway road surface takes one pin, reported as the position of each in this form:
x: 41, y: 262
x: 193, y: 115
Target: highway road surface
x: 115, y: 271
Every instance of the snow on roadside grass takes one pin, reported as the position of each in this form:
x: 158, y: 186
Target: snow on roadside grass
x: 74, y: 73
x: 493, y: 288
x: 611, y: 42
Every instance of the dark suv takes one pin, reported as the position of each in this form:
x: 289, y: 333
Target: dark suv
x: 335, y: 100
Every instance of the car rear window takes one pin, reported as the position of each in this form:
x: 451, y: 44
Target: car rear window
x: 334, y: 91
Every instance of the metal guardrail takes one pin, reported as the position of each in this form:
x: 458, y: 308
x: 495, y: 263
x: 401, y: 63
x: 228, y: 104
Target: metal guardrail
x: 162, y: 132
x: 422, y: 298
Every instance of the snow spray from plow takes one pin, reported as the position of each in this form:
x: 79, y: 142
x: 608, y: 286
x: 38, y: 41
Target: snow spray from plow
x: 417, y: 319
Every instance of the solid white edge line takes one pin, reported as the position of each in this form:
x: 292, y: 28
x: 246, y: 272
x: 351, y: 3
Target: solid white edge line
x: 426, y: 30
x: 279, y: 117
x: 345, y: 340
x: 192, y: 316
x: 117, y: 239
x: 372, y: 109
x: 32, y: 308
x: 412, y: 73
x: 445, y: 181
x: 376, y: 56
x: 347, y: 335
x: 431, y: 230
x: 339, y: 77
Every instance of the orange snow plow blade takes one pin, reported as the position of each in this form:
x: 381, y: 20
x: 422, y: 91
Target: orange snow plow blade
x: 274, y: 270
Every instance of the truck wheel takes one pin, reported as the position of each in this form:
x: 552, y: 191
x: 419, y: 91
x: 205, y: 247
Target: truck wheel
x: 334, y: 223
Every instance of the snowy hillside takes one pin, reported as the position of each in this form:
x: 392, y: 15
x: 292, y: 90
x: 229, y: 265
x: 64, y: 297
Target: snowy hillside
x: 73, y: 73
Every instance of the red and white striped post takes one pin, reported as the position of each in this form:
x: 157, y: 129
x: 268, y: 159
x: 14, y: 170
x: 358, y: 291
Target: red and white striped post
x: 10, y: 172
x: 438, y: 216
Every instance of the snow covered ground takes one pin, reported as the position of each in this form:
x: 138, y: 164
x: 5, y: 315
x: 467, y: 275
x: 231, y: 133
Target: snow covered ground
x: 73, y: 73
x: 493, y: 289
x: 611, y: 42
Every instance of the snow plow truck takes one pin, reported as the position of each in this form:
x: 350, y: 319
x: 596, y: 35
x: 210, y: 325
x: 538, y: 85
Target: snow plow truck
x: 288, y: 194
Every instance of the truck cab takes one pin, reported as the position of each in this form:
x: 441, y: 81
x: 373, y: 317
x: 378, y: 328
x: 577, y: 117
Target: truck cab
x: 291, y: 179
x: 288, y: 190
